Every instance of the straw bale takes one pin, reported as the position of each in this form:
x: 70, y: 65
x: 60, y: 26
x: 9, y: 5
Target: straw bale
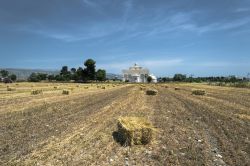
x: 36, y: 91
x: 65, y: 92
x: 135, y: 130
x: 198, y: 92
x: 151, y: 92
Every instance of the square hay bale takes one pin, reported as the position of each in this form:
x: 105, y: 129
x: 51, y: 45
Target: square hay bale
x: 135, y: 131
x: 65, y: 92
x: 151, y: 92
x: 10, y: 89
x: 142, y: 88
x: 36, y: 91
x: 177, y: 88
x: 198, y: 92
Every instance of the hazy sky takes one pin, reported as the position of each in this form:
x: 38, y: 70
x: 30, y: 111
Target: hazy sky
x: 200, y: 37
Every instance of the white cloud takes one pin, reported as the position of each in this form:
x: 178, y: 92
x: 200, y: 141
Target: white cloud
x: 219, y: 64
x: 89, y: 3
x: 242, y: 10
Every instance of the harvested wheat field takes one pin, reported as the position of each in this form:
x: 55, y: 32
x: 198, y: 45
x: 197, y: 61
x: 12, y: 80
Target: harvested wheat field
x: 80, y: 128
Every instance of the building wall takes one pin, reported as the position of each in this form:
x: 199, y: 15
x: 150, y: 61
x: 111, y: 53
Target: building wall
x: 135, y: 74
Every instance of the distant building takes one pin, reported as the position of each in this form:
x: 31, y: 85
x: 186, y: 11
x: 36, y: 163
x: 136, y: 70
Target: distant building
x: 6, y: 80
x: 137, y: 74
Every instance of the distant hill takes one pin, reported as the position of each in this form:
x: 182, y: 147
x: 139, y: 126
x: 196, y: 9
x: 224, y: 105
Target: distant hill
x: 23, y: 74
x: 111, y: 76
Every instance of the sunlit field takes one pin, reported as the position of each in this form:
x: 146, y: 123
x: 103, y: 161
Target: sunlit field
x: 42, y: 125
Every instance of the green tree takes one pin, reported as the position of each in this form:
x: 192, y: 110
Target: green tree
x: 65, y: 73
x: 51, y: 77
x: 73, y: 70
x: 64, y: 70
x: 179, y: 77
x: 149, y: 79
x: 13, y: 77
x: 4, y: 73
x: 79, y: 74
x: 33, y: 78
x: 101, y: 75
x: 232, y: 79
x: 42, y: 76
x: 59, y: 78
x: 89, y: 71
x: 166, y: 79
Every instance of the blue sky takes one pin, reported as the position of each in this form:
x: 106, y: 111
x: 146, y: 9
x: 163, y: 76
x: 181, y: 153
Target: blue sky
x: 198, y: 37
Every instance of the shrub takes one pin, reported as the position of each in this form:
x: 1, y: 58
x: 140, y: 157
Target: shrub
x: 65, y: 92
x: 220, y: 84
x: 103, y: 87
x: 242, y: 85
x: 86, y: 87
x: 177, y: 88
x: 151, y: 92
x: 134, y: 131
x: 198, y: 92
x: 55, y: 87
x: 36, y: 92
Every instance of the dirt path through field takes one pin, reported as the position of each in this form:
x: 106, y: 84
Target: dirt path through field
x: 203, y: 130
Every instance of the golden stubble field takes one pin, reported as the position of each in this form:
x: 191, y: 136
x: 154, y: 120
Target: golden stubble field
x: 51, y: 128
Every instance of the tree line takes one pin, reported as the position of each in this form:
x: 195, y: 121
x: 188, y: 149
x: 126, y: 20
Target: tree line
x: 7, y: 76
x: 184, y: 78
x: 86, y: 74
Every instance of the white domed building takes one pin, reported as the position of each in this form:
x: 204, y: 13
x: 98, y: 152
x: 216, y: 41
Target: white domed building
x: 137, y: 74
